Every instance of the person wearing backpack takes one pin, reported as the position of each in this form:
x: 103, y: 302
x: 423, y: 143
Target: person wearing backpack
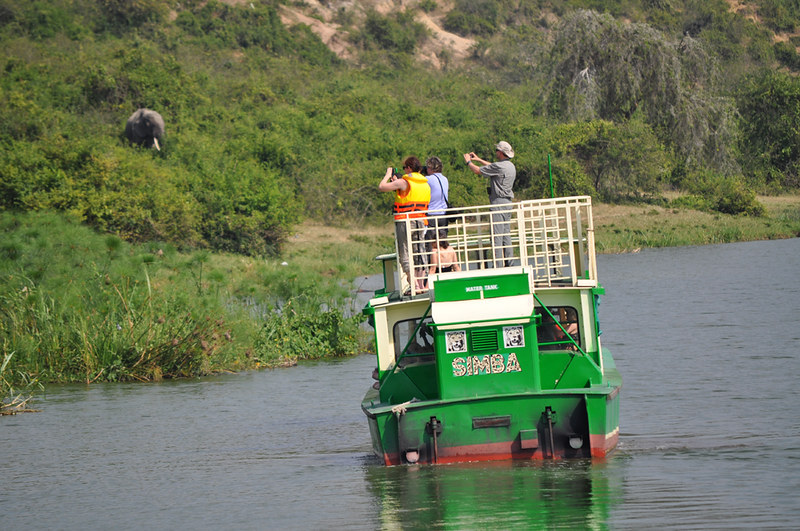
x: 440, y: 189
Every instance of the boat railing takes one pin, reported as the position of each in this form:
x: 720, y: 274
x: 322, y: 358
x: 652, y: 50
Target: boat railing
x: 552, y: 237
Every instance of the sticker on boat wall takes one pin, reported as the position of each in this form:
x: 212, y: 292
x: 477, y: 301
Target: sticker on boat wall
x: 513, y: 336
x: 487, y: 364
x: 456, y: 341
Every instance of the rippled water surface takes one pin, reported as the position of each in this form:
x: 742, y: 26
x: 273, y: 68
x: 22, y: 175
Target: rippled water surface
x: 707, y: 340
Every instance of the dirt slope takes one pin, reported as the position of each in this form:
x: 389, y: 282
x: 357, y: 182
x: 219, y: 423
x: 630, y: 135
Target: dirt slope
x: 321, y: 17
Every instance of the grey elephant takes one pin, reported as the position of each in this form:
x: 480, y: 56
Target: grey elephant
x: 145, y: 127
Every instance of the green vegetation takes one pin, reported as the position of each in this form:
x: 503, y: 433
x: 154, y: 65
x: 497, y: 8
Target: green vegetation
x: 265, y: 125
x: 770, y: 108
x: 267, y: 128
x: 14, y: 399
x: 78, y: 306
x: 627, y: 228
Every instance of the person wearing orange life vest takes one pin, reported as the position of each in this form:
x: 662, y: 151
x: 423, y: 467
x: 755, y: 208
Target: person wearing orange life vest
x: 412, y: 195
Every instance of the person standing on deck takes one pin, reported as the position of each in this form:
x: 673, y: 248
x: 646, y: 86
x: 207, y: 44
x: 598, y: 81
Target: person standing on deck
x: 440, y: 189
x: 412, y: 195
x: 501, y: 176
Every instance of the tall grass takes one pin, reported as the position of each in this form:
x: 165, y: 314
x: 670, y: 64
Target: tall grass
x: 77, y: 306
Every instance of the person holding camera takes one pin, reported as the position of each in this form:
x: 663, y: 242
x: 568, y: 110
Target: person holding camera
x: 501, y: 176
x: 412, y: 196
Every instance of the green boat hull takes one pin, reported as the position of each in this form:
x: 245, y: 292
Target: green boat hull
x: 578, y: 423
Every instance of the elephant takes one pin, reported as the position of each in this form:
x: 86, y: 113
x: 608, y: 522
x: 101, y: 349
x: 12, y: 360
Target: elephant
x: 145, y: 127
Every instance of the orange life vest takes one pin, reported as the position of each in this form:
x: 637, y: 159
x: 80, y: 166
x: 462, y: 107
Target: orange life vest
x: 414, y: 201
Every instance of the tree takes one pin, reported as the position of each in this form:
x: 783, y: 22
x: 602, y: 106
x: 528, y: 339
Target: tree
x: 609, y: 69
x: 622, y: 160
x: 769, y: 106
x: 132, y: 13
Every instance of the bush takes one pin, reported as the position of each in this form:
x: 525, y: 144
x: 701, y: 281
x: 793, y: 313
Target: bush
x: 712, y: 192
x: 781, y: 15
x: 621, y: 160
x: 303, y: 328
x: 399, y: 33
x: 692, y: 201
x: 428, y: 5
x: 733, y: 197
x: 122, y: 15
x: 786, y: 53
x: 44, y: 20
x: 769, y: 105
x: 569, y: 178
x: 473, y: 17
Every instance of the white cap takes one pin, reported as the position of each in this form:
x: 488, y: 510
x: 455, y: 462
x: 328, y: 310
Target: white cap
x: 506, y: 148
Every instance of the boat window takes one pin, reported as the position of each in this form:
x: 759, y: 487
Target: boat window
x: 423, y: 340
x: 550, y: 335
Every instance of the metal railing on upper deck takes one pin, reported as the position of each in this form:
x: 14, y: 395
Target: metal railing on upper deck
x: 553, y: 237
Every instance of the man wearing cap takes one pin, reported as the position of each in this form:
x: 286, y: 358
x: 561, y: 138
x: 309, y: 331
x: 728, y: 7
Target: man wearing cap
x: 501, y: 176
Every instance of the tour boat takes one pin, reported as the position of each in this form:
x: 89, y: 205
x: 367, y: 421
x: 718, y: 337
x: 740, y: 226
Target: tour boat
x: 501, y: 359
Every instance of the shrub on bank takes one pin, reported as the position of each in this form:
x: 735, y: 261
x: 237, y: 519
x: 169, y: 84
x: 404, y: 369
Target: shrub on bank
x: 303, y: 326
x: 711, y: 192
x: 734, y: 197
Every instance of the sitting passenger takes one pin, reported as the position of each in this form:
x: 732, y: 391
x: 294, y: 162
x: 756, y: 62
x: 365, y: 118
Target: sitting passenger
x: 569, y: 321
x: 572, y: 330
x: 443, y: 258
x: 550, y: 334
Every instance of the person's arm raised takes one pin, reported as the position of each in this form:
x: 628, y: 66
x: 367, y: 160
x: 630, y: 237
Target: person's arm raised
x: 390, y: 184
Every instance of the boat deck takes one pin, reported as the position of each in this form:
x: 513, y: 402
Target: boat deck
x: 553, y: 237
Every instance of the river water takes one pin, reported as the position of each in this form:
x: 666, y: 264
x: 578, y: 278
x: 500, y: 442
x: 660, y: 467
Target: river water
x: 708, y: 343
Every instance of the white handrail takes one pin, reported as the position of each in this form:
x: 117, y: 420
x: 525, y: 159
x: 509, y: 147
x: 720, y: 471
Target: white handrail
x: 553, y: 237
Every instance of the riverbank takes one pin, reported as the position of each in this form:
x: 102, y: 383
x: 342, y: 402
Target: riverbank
x: 618, y: 229
x: 78, y: 306
x: 629, y: 228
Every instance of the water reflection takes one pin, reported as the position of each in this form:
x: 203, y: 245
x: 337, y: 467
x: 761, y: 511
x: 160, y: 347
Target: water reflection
x: 562, y: 494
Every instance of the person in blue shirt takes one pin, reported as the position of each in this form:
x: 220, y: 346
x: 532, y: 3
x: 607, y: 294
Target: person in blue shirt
x: 440, y: 190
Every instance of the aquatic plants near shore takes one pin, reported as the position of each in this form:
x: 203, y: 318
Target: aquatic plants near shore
x: 300, y: 328
x: 15, y: 399
x: 112, y: 328
x: 78, y: 306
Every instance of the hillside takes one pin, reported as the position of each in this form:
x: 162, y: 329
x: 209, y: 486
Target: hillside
x: 325, y: 20
x: 322, y: 18
x: 280, y: 111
